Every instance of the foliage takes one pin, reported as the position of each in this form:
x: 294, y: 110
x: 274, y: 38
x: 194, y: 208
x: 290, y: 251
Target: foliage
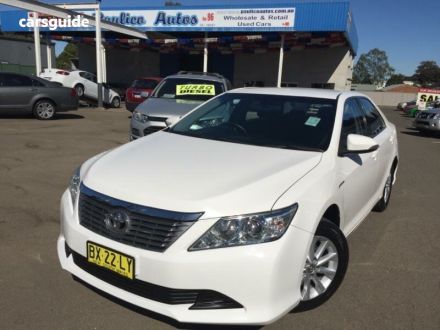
x: 372, y: 68
x: 396, y: 79
x: 63, y: 60
x: 428, y: 73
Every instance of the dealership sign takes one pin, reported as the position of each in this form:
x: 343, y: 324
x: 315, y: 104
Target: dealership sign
x: 427, y: 96
x: 224, y: 19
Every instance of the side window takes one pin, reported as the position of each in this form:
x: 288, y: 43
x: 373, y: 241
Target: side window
x: 375, y: 122
x: 353, y: 122
x: 15, y: 80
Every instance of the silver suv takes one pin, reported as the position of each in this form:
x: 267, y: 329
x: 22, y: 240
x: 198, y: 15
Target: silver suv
x: 429, y: 121
x: 174, y: 97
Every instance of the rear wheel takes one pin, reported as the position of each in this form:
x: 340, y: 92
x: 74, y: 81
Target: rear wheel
x: 44, y: 110
x: 79, y: 90
x: 116, y: 102
x: 382, y: 204
x: 325, y: 266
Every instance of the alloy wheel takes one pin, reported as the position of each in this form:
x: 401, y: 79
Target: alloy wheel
x: 387, y: 189
x: 45, y: 110
x: 320, y: 268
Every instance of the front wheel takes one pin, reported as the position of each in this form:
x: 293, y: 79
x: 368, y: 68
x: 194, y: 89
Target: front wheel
x: 44, y: 110
x: 325, y: 266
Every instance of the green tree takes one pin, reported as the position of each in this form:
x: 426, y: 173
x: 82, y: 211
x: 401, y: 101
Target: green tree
x: 396, y: 79
x: 372, y: 68
x: 428, y: 73
x: 63, y: 60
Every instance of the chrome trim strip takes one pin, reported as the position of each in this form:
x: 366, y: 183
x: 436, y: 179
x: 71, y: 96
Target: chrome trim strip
x: 141, y: 209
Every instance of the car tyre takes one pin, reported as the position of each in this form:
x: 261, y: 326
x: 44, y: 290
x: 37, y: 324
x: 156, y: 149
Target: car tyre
x: 44, y: 110
x: 325, y: 266
x: 116, y: 102
x: 382, y: 204
x: 79, y: 89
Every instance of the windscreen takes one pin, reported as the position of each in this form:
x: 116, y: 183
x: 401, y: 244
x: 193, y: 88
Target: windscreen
x: 300, y: 123
x: 188, y: 89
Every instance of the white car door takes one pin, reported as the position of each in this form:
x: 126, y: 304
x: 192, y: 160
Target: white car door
x: 357, y: 173
x: 384, y: 137
x: 90, y: 86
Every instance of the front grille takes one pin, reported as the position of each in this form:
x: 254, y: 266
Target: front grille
x: 146, y: 228
x: 200, y: 299
x: 153, y: 118
x: 152, y: 129
x: 425, y: 115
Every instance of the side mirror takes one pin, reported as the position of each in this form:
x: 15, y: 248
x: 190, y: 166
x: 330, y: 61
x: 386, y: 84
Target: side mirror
x: 145, y: 95
x: 360, y: 144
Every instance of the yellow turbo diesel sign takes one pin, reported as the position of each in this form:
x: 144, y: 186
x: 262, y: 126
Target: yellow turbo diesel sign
x: 195, y: 89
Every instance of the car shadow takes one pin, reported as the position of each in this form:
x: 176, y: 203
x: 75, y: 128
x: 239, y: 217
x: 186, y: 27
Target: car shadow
x: 63, y: 116
x: 159, y: 317
x: 415, y: 132
x: 58, y: 116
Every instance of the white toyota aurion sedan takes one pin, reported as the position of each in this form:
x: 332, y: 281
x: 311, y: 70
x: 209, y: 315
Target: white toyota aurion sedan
x: 236, y: 214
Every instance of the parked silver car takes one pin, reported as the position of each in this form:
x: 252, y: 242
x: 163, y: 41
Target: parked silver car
x: 174, y: 97
x: 429, y: 120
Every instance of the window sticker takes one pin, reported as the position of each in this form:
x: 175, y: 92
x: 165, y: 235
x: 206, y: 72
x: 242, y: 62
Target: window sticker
x: 195, y: 89
x: 312, y: 121
x: 312, y: 111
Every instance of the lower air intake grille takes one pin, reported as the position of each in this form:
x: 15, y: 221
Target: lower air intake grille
x: 200, y: 299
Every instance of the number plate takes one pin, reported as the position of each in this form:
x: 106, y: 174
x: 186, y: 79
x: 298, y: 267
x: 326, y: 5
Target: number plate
x: 115, y: 261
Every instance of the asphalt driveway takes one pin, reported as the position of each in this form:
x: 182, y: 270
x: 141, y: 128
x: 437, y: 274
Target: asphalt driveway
x: 393, y: 279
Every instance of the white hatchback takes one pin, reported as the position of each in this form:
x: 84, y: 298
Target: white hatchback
x: 85, y: 84
x: 237, y: 213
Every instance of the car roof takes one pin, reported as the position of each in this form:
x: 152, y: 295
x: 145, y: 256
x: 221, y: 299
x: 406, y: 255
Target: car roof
x: 150, y: 78
x: 200, y: 76
x: 295, y: 91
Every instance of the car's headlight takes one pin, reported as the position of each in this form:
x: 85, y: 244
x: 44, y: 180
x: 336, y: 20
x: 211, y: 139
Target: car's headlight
x: 140, y: 117
x: 437, y: 116
x: 74, y: 185
x: 246, y: 229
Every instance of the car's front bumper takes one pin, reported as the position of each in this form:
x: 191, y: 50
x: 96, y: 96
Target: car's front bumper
x: 427, y: 124
x: 264, y: 278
